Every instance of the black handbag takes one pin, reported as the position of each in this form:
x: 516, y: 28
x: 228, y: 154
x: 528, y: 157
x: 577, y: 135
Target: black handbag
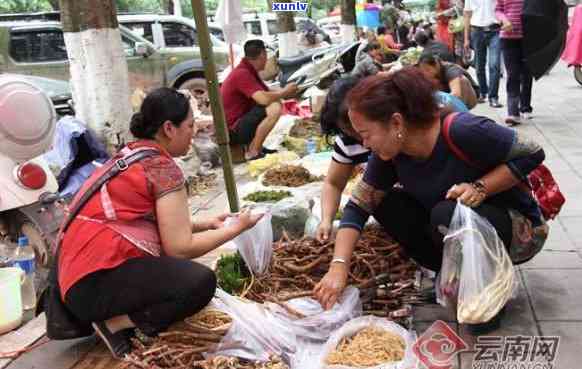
x: 61, y: 324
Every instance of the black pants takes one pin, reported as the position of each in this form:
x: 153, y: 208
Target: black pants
x: 417, y: 229
x: 519, y: 79
x: 244, y: 133
x: 154, y: 292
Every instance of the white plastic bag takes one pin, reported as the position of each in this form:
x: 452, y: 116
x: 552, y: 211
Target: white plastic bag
x: 260, y: 330
x: 318, y: 323
x: 255, y: 333
x: 354, y: 326
x: 256, y: 244
x: 476, y: 257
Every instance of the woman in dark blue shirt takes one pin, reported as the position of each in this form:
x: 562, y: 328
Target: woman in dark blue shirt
x: 397, y: 118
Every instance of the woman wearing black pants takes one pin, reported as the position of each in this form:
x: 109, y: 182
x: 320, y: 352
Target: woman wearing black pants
x: 519, y: 78
x: 420, y: 169
x: 125, y: 260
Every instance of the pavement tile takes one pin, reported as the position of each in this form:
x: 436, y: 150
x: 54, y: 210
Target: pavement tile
x: 573, y: 228
x: 432, y: 312
x: 55, y: 354
x: 555, y: 294
x: 568, y: 355
x: 559, y: 239
x: 555, y: 260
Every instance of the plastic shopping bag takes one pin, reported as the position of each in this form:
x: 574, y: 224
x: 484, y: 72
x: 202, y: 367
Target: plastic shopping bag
x: 476, y: 260
x: 353, y: 327
x: 256, y: 333
x: 259, y: 330
x: 256, y: 244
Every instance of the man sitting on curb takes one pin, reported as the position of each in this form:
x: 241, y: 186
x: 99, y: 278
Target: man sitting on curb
x: 251, y: 109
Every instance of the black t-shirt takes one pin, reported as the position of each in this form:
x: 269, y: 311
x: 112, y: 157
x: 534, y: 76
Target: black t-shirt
x: 450, y: 71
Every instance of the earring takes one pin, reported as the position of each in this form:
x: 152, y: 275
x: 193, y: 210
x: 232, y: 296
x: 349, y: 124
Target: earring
x: 399, y: 136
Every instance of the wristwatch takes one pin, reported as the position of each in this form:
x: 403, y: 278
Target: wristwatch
x: 479, y: 185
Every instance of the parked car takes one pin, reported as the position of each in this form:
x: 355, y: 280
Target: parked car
x: 265, y: 27
x: 36, y: 47
x: 171, y: 33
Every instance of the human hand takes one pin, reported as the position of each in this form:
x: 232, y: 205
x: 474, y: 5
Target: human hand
x: 328, y: 290
x: 218, y: 221
x: 467, y: 194
x: 291, y: 89
x: 506, y: 26
x: 323, y: 231
x: 246, y: 220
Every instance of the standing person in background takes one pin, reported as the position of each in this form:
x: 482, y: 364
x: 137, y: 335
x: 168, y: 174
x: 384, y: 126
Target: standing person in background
x: 482, y: 30
x: 519, y: 78
x: 444, y: 9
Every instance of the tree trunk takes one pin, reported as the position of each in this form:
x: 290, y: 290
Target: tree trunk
x: 348, y: 27
x: 287, y: 34
x: 98, y: 67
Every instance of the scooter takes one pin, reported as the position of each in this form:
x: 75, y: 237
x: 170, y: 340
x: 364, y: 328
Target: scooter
x: 320, y: 68
x: 29, y: 204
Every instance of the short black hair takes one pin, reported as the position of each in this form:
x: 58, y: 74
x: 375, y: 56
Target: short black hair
x: 430, y: 58
x: 254, y: 48
x: 421, y: 38
x: 381, y: 30
x: 334, y: 117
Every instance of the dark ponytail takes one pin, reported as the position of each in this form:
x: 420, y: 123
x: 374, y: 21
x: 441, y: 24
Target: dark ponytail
x: 160, y: 105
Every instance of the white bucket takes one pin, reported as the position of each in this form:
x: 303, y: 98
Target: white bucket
x: 11, y: 280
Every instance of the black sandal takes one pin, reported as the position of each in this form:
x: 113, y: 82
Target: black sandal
x: 118, y: 343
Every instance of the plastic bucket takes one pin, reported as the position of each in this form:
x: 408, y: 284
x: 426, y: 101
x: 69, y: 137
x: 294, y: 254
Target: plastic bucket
x: 10, y: 298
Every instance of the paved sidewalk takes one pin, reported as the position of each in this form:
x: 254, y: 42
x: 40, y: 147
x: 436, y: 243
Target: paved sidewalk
x: 549, y: 296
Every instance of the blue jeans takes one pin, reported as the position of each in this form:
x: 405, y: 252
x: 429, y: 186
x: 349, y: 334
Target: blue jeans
x: 486, y: 43
x: 519, y: 79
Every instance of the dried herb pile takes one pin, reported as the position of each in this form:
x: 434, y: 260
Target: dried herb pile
x: 288, y: 176
x: 305, y: 128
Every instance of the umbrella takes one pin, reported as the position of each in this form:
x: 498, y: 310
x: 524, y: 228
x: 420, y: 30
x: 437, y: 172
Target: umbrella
x: 545, y: 25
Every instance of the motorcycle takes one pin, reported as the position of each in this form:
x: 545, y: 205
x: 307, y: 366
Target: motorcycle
x: 29, y: 205
x: 318, y: 67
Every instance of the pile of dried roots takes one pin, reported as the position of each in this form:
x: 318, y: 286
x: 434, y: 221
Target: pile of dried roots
x: 288, y: 176
x: 199, y: 184
x: 384, y: 275
x: 181, y: 347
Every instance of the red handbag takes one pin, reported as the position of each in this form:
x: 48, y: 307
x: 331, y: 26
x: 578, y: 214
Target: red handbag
x: 542, y: 184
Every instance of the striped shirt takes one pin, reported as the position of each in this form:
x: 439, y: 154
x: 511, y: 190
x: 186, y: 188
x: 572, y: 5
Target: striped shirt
x: 510, y: 10
x: 346, y: 150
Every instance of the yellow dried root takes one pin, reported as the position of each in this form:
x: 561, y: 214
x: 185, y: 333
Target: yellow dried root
x: 369, y: 347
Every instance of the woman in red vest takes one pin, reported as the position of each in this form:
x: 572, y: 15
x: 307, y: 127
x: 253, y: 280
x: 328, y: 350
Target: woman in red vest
x: 125, y: 260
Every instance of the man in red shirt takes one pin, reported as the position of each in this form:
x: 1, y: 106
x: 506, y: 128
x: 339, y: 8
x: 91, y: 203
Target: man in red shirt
x: 251, y: 109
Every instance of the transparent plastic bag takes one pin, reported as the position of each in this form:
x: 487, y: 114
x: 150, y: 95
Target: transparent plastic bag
x: 476, y: 260
x: 259, y: 330
x: 318, y: 323
x: 256, y: 333
x: 354, y: 326
x: 256, y: 244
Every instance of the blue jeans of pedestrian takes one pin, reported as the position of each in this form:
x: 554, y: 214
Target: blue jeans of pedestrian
x: 519, y: 79
x: 487, y: 49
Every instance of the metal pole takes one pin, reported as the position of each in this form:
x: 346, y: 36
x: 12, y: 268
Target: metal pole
x: 222, y: 138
